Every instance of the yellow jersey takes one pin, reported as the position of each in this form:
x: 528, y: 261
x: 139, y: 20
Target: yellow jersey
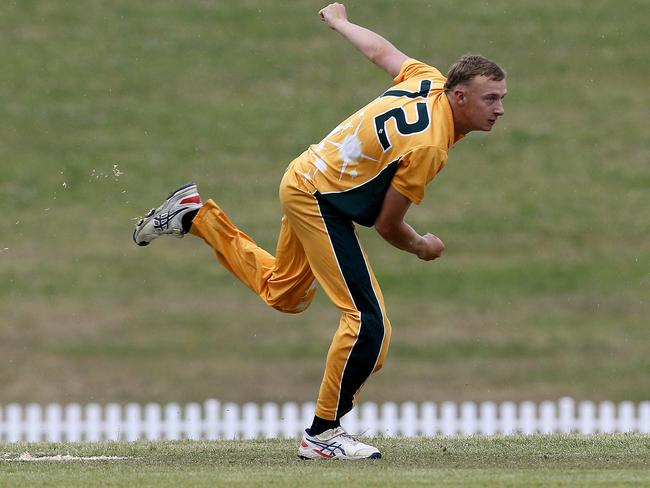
x: 401, y: 139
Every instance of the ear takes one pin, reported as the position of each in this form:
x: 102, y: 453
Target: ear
x: 459, y: 95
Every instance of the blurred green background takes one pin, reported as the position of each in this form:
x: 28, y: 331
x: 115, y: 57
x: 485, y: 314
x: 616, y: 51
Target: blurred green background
x: 106, y: 106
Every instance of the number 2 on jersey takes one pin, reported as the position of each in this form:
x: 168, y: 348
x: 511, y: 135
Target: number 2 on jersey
x: 404, y: 127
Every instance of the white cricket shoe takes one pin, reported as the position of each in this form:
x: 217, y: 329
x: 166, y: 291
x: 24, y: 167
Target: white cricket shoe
x: 335, y: 444
x: 167, y: 219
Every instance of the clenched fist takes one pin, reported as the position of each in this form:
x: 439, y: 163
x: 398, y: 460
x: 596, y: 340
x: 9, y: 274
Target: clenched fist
x: 430, y: 247
x: 333, y: 13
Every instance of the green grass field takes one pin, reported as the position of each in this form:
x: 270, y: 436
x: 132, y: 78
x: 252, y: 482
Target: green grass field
x: 107, y: 106
x: 605, y: 460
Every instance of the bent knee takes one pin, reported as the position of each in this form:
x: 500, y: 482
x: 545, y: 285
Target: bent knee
x: 301, y: 307
x: 293, y: 302
x: 291, y: 306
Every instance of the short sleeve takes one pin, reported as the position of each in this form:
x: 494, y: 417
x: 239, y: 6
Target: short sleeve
x: 413, y: 68
x: 417, y: 168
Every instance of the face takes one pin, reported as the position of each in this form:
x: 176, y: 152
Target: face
x: 481, y: 102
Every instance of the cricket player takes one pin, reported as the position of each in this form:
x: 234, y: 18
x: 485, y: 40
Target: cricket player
x: 368, y: 170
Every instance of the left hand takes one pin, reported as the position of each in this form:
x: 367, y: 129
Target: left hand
x: 333, y: 13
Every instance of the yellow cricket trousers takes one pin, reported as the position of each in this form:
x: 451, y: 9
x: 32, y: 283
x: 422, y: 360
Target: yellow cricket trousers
x: 315, y: 243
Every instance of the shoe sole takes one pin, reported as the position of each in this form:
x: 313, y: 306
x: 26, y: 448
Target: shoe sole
x: 374, y: 455
x: 149, y: 215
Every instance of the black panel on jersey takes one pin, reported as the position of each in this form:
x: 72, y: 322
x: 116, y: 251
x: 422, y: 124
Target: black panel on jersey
x: 366, y: 349
x: 425, y: 88
x: 363, y: 203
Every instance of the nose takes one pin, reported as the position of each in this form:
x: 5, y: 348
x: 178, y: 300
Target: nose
x: 499, y: 110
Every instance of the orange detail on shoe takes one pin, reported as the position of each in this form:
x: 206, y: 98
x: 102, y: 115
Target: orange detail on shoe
x: 193, y: 199
x: 321, y: 453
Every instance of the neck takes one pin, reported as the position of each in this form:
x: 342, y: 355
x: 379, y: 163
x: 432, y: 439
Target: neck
x: 461, y: 126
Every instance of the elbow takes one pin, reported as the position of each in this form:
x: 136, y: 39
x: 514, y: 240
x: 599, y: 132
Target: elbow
x: 385, y: 229
x: 376, y: 54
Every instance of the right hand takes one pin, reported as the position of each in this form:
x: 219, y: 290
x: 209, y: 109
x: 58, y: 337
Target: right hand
x: 333, y: 13
x: 430, y: 248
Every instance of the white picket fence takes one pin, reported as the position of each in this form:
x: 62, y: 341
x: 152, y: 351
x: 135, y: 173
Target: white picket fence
x: 213, y: 420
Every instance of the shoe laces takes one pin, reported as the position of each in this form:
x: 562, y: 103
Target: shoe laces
x: 352, y: 437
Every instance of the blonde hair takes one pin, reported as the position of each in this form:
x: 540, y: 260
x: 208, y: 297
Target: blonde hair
x: 470, y: 66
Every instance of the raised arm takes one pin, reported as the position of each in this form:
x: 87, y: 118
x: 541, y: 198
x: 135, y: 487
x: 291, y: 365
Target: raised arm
x: 372, y: 45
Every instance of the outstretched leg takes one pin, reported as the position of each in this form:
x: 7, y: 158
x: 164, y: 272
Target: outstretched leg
x: 285, y: 281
